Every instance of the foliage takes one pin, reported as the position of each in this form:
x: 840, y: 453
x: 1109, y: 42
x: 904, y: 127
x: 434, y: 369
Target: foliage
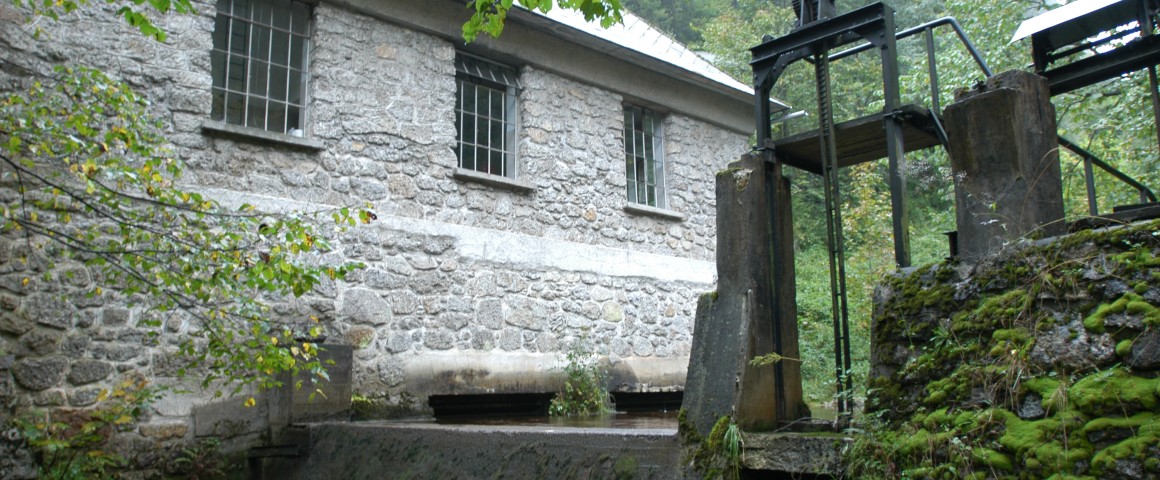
x: 680, y: 18
x: 718, y: 456
x: 91, y: 180
x: 769, y: 359
x: 488, y: 16
x: 74, y: 445
x: 201, y: 462
x: 127, y: 9
x: 585, y: 391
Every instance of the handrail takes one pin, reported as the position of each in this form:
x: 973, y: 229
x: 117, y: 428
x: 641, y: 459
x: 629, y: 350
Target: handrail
x: 921, y: 28
x: 932, y: 66
x: 1089, y: 159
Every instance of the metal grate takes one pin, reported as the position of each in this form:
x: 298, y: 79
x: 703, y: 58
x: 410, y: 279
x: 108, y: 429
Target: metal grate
x: 485, y: 116
x: 644, y: 165
x: 259, y: 64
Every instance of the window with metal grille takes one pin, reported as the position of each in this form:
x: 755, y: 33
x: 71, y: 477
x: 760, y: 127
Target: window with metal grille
x: 485, y: 115
x: 259, y: 64
x: 643, y: 162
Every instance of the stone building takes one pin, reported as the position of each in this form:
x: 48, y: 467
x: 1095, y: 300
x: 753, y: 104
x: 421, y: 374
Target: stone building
x: 549, y: 186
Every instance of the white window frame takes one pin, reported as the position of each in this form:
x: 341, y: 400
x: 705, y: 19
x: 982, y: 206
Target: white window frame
x: 644, y: 160
x: 477, y: 82
x: 260, y: 64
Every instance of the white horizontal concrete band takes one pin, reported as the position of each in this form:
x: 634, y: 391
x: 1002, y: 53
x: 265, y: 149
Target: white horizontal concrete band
x: 514, y: 249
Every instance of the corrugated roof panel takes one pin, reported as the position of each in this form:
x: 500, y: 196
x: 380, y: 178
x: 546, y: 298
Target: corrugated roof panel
x: 1059, y: 15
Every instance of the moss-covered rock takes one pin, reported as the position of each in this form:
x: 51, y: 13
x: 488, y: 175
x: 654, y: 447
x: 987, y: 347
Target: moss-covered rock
x: 1011, y: 368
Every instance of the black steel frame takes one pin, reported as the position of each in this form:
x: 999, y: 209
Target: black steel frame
x: 812, y: 41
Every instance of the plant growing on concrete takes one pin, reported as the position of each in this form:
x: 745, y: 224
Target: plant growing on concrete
x: 585, y: 391
x: 718, y: 456
x: 202, y: 461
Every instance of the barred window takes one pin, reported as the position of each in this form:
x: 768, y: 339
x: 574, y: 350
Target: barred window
x: 485, y: 115
x: 259, y: 64
x: 644, y: 165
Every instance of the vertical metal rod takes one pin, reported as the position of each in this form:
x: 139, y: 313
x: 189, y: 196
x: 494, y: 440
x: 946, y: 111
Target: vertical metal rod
x: 1155, y: 107
x: 834, y: 241
x: 764, y: 123
x: 773, y: 196
x: 894, y: 146
x: 932, y: 66
x: 1147, y: 29
x: 1090, y: 181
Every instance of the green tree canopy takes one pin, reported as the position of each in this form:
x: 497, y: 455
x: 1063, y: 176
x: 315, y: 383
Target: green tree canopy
x: 489, y: 16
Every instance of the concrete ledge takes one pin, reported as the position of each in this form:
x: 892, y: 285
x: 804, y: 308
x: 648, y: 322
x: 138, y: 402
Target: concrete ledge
x: 663, y: 213
x: 427, y: 451
x: 795, y: 453
x: 256, y: 134
x: 469, y: 372
x: 513, y: 249
x: 497, y: 181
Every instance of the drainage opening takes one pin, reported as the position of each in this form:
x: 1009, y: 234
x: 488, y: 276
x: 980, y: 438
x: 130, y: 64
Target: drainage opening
x: 647, y: 401
x: 491, y: 405
x: 536, y: 404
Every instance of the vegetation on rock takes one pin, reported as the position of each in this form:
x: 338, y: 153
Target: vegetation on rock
x: 999, y: 371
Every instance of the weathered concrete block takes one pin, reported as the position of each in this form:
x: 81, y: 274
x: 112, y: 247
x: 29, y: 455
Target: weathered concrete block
x: 230, y: 418
x: 1005, y: 160
x: 374, y: 450
x: 736, y: 323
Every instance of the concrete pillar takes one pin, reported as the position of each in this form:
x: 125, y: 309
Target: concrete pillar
x: 1004, y: 153
x: 753, y: 311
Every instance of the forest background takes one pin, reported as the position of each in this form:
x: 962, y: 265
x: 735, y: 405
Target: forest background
x: 1113, y: 120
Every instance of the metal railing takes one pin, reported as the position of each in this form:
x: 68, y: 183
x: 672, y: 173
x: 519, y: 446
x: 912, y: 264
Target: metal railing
x: 1089, y: 160
x: 927, y: 29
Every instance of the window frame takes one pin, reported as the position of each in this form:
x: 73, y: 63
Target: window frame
x: 636, y: 160
x: 282, y: 22
x: 482, y: 74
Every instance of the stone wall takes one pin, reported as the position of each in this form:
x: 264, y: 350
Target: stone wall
x: 1040, y: 360
x: 469, y: 288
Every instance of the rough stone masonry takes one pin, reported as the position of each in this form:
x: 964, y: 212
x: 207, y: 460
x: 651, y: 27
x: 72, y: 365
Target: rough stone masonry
x: 469, y: 288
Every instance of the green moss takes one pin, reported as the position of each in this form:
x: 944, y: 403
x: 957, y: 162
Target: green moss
x: 1124, y: 348
x: 994, y: 312
x: 625, y: 468
x: 1093, y: 418
x: 993, y: 459
x: 1112, y: 423
x: 1114, y: 391
x: 1095, y: 322
x: 1139, y: 446
x: 710, y: 457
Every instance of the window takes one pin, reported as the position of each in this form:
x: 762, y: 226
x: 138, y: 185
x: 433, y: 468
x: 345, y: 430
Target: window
x: 644, y: 165
x: 259, y: 64
x: 485, y: 115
